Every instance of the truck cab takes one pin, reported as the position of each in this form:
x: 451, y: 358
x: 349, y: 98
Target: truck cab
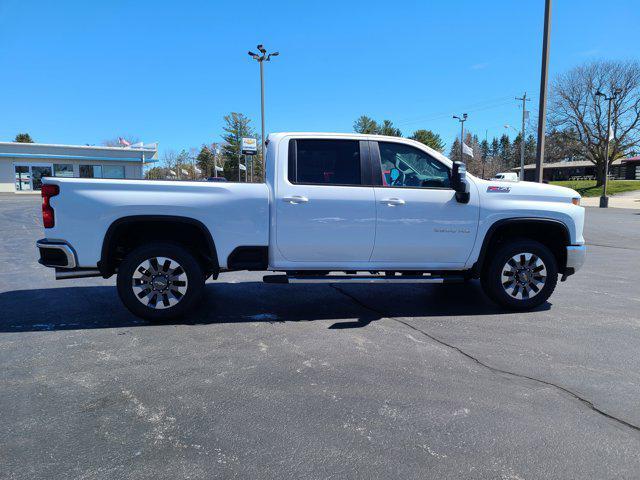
x: 333, y: 208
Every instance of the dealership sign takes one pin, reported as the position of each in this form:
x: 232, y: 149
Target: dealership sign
x: 249, y: 146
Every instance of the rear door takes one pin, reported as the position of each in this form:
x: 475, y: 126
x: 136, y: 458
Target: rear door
x: 325, y: 205
x: 419, y: 221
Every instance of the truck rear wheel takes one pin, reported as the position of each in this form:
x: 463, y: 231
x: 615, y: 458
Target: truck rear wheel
x: 521, y: 275
x: 160, y: 281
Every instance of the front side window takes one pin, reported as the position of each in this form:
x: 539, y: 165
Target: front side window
x: 406, y: 166
x: 326, y: 162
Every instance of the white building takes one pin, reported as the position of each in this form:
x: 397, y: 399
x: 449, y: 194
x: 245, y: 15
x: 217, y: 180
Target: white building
x: 22, y: 165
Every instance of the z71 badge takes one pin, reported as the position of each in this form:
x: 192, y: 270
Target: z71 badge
x: 497, y: 189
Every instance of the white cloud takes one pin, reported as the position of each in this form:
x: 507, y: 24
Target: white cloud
x: 590, y: 53
x: 479, y: 66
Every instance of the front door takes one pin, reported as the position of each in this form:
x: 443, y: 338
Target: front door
x: 324, y: 213
x: 420, y: 224
x: 29, y: 176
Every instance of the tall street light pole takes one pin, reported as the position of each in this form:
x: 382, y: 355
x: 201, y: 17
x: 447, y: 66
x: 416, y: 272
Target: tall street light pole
x: 522, y: 138
x: 542, y: 109
x: 461, y: 120
x: 604, y: 200
x: 261, y: 58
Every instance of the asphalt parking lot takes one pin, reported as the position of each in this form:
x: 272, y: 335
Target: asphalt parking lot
x: 275, y: 381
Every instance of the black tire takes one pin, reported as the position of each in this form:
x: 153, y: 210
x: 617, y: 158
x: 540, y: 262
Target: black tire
x: 519, y: 294
x: 176, y: 290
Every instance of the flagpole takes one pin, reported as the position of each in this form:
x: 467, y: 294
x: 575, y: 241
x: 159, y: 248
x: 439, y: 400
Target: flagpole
x: 461, y: 140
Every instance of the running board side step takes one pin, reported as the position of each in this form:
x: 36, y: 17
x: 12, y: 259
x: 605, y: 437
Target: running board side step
x: 362, y: 279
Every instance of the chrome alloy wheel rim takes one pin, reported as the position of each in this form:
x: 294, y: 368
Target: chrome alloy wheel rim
x: 524, y: 275
x: 159, y: 282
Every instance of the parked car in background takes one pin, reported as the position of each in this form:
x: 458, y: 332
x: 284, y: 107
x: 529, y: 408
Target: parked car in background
x: 216, y: 179
x: 506, y: 177
x: 335, y: 208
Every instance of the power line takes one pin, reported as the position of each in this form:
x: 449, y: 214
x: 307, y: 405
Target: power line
x: 482, y: 105
x: 447, y: 114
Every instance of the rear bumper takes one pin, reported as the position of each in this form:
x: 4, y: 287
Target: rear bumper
x: 576, y: 255
x: 56, y: 254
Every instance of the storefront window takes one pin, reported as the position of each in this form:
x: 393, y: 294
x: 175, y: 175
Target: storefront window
x: 23, y: 178
x: 62, y: 170
x: 29, y: 177
x: 37, y: 173
x: 113, y: 171
x: 90, y: 171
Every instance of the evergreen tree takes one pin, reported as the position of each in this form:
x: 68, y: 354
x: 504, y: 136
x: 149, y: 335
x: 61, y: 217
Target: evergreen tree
x: 236, y: 126
x: 157, y: 173
x: 389, y: 130
x: 454, y: 153
x: 369, y: 126
x: 494, y: 150
x: 530, y: 148
x: 485, y: 150
x: 505, y: 151
x: 366, y: 125
x: 23, y: 138
x: 429, y: 138
x: 515, y: 151
x: 205, y: 161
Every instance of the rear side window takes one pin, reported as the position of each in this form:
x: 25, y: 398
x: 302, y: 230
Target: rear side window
x: 325, y: 162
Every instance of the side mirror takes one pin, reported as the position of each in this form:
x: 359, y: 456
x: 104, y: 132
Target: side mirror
x: 459, y: 182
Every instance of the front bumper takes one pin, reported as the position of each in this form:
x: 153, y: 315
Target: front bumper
x: 576, y: 255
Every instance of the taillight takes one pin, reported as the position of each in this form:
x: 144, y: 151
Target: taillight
x: 48, y: 191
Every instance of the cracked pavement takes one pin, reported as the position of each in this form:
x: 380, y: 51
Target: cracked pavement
x: 321, y: 381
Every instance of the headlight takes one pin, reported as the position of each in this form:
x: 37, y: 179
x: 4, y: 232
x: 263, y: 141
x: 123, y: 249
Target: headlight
x: 575, y: 200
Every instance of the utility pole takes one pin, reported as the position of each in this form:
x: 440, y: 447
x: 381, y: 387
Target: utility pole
x: 522, y: 138
x: 542, y: 109
x: 604, y: 200
x: 461, y: 120
x: 263, y: 57
x: 485, y: 154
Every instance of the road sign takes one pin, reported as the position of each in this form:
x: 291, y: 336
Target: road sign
x: 249, y: 146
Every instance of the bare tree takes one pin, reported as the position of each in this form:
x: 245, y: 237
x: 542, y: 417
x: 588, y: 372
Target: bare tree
x: 575, y: 106
x: 170, y: 162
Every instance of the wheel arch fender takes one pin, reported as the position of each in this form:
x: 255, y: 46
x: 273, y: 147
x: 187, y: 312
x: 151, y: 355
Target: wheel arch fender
x: 107, y: 265
x: 524, y: 224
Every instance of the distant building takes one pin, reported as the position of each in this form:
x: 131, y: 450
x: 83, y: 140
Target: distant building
x: 22, y: 165
x: 622, y: 169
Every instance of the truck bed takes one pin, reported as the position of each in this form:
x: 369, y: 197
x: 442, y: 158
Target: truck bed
x: 236, y: 214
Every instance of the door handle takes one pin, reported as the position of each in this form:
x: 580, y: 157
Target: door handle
x: 295, y: 199
x: 393, y: 202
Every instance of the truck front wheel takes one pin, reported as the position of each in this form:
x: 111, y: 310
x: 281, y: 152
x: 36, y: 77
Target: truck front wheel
x: 521, y: 274
x: 160, y: 281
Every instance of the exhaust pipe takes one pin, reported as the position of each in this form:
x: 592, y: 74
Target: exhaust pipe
x: 62, y: 274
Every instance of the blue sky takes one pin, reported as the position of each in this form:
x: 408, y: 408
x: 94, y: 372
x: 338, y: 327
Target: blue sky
x: 82, y: 72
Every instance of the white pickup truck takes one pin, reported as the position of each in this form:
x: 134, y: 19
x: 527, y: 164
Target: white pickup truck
x: 334, y: 208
